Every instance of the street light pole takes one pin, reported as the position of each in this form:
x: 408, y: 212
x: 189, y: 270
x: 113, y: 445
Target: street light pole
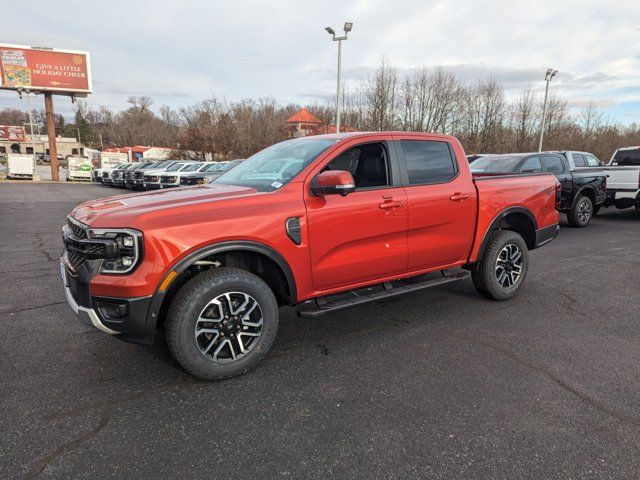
x: 347, y: 28
x: 548, y: 76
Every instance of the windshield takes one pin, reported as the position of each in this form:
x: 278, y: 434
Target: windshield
x: 214, y: 167
x: 175, y: 167
x: 193, y: 167
x: 162, y: 164
x: 271, y: 168
x: 502, y: 163
x: 629, y: 156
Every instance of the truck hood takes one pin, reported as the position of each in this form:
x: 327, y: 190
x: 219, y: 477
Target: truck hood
x: 126, y: 210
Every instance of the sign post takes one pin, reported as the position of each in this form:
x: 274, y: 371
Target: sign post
x: 52, y: 72
x: 51, y: 132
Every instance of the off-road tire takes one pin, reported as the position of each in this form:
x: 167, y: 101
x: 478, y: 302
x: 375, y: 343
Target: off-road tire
x: 484, y: 275
x: 190, y: 301
x: 581, y: 213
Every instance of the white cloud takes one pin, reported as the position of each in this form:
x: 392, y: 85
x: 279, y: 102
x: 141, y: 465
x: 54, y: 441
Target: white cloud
x: 180, y: 52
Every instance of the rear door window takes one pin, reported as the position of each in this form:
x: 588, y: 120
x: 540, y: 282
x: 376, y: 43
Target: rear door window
x: 532, y: 164
x: 428, y: 161
x: 553, y: 164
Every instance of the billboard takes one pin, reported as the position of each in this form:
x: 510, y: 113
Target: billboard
x: 12, y: 134
x: 40, y: 69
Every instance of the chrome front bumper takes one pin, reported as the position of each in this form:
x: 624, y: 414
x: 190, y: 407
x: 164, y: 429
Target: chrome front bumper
x: 85, y: 315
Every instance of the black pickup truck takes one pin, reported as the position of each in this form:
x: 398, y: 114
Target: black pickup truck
x: 583, y: 189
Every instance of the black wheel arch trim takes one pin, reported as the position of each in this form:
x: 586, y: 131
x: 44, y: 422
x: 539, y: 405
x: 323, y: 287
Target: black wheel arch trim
x: 240, y: 245
x: 500, y: 217
x: 579, y: 194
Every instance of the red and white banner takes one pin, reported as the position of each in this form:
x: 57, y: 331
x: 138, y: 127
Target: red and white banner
x: 13, y: 134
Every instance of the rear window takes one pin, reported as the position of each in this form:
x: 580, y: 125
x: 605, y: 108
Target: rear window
x: 629, y: 156
x: 428, y: 161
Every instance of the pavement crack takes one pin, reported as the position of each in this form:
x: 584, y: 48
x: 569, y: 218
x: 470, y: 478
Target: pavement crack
x: 41, y: 464
x: 11, y: 312
x: 559, y: 381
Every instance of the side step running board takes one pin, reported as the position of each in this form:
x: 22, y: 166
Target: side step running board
x: 321, y: 306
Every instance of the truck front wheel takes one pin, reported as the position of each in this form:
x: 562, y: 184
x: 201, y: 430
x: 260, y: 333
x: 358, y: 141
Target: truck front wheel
x: 503, y: 266
x: 221, y: 323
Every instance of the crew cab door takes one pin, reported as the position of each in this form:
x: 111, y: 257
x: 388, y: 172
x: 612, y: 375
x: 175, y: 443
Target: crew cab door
x: 558, y: 165
x: 360, y: 237
x: 442, y: 202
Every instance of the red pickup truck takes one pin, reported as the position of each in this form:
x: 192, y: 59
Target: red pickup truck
x: 322, y: 223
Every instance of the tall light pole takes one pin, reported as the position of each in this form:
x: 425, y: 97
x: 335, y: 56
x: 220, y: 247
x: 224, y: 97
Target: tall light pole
x: 347, y: 28
x: 548, y: 76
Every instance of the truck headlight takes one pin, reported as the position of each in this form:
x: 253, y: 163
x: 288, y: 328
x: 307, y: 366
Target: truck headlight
x: 129, y: 249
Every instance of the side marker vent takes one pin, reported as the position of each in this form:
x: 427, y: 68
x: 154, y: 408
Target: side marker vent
x: 293, y: 230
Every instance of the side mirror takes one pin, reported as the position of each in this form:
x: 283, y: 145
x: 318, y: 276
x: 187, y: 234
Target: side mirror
x: 333, y: 182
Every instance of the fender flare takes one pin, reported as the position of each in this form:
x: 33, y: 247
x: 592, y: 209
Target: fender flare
x: 579, y: 192
x: 240, y: 245
x: 497, y: 219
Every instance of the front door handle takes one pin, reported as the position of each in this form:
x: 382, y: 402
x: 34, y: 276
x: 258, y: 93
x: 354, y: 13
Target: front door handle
x: 457, y: 197
x: 389, y: 205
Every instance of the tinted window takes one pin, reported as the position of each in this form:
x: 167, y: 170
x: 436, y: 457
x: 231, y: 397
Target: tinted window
x: 579, y: 160
x: 553, y: 164
x: 531, y: 165
x: 428, y: 161
x: 592, y: 161
x: 628, y: 156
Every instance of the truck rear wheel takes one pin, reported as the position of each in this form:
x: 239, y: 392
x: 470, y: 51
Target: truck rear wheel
x: 581, y: 213
x: 221, y: 323
x: 503, y: 266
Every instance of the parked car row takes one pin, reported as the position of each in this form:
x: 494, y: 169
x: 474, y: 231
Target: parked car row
x: 160, y: 175
x: 587, y: 183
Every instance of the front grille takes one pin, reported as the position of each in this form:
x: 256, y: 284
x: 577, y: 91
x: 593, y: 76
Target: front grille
x: 168, y: 179
x: 76, y: 260
x: 105, y: 174
x: 137, y: 175
x: 78, y: 230
x: 116, y: 175
x: 150, y: 178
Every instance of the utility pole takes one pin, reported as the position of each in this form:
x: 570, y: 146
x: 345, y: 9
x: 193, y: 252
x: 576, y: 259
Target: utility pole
x: 33, y: 142
x: 348, y: 26
x: 548, y: 76
x: 51, y: 133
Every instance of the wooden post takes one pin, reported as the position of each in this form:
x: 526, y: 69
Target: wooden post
x: 51, y: 132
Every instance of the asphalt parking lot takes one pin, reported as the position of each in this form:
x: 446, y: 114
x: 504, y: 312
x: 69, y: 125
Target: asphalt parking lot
x: 440, y: 384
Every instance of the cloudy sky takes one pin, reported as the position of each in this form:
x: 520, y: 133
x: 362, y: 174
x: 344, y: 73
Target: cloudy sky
x: 179, y: 52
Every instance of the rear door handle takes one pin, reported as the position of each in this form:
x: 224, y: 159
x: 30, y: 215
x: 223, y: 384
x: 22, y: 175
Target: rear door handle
x: 457, y: 197
x: 389, y: 205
